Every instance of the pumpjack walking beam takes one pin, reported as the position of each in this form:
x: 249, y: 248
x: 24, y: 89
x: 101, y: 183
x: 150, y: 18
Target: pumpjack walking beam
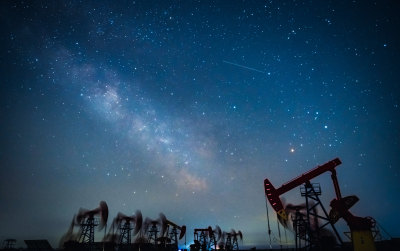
x: 273, y: 194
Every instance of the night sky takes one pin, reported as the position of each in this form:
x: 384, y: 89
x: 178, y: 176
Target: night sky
x: 185, y: 107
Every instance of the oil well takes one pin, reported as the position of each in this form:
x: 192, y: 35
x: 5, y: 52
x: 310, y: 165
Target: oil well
x: 313, y: 226
x: 86, y: 221
x: 124, y: 233
x: 207, y: 239
x: 229, y: 240
x: 123, y: 229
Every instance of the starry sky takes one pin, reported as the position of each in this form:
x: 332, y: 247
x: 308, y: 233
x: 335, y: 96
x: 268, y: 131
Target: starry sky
x: 185, y: 107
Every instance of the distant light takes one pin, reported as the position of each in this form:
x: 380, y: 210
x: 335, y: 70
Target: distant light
x: 292, y: 150
x: 326, y: 127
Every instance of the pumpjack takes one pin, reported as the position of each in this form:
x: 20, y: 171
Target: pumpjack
x: 120, y: 233
x: 172, y: 232
x: 201, y: 241
x: 230, y: 240
x: 205, y: 239
x: 360, y: 228
x: 87, y: 221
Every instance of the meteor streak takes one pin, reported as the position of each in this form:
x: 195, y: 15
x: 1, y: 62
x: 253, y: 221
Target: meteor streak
x: 242, y: 66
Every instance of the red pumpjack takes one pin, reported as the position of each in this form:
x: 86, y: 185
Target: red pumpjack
x: 360, y: 227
